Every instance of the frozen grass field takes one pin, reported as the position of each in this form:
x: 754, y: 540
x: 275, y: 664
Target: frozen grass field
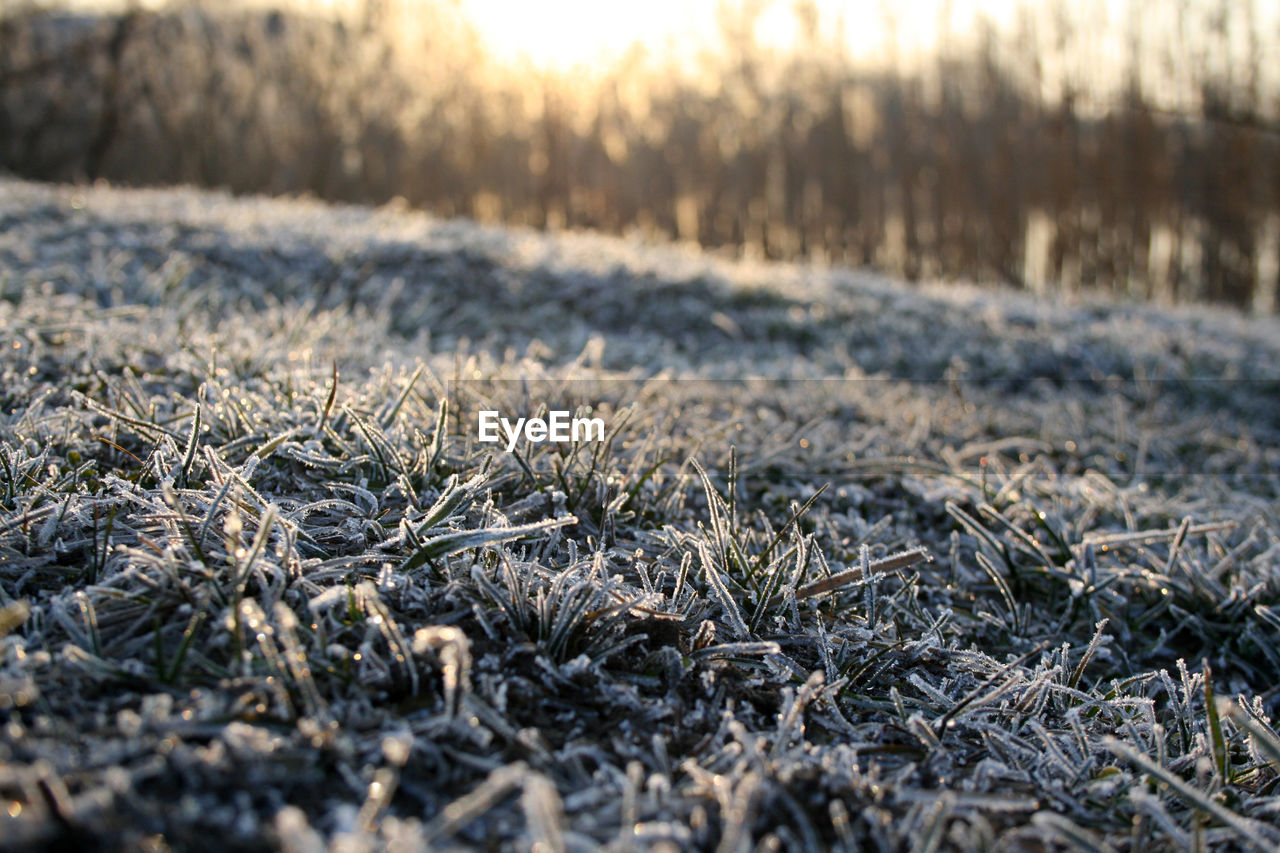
x: 859, y: 566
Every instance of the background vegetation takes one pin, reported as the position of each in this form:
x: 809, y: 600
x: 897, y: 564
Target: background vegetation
x: 1137, y: 157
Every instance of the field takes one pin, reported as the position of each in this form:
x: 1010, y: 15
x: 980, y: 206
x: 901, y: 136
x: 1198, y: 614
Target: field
x: 860, y: 565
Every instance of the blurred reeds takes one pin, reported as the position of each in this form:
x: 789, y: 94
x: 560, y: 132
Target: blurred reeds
x: 1138, y: 158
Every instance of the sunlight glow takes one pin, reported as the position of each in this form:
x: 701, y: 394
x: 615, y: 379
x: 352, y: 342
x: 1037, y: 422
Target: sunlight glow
x: 564, y: 34
x: 568, y: 34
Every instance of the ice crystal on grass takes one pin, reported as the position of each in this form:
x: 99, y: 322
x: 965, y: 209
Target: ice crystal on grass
x: 906, y: 572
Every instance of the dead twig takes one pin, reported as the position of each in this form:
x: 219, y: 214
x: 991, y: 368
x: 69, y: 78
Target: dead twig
x: 888, y: 564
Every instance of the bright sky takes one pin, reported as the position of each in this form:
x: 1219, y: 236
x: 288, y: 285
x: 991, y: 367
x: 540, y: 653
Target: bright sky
x: 563, y: 34
x: 586, y: 35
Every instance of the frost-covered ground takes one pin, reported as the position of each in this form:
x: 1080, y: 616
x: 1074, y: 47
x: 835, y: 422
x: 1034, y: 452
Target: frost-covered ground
x: 262, y: 587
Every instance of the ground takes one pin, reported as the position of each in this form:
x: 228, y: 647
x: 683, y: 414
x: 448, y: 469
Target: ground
x: 859, y: 564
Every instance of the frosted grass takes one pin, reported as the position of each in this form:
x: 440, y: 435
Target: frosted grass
x: 954, y: 570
